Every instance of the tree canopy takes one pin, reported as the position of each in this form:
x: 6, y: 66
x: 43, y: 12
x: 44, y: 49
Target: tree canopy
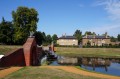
x: 118, y: 37
x: 54, y: 38
x: 78, y: 35
x: 6, y: 32
x: 90, y: 33
x: 25, y: 21
x: 39, y: 37
x: 48, y: 39
x: 113, y: 39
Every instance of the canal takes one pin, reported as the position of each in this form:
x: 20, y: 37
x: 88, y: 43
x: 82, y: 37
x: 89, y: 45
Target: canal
x: 110, y: 66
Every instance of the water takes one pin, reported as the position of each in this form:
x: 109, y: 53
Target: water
x: 106, y: 66
x: 113, y: 69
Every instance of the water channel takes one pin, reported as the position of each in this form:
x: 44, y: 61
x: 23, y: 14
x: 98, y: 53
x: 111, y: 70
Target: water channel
x: 109, y: 66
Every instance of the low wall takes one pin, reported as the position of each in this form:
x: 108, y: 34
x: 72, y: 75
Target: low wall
x: 14, y: 58
x: 29, y: 55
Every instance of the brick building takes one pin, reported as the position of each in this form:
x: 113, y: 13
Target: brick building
x: 67, y: 40
x: 96, y: 40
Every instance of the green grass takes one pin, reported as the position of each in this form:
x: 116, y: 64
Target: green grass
x: 78, y: 67
x: 7, y: 48
x: 89, y: 52
x: 45, y: 73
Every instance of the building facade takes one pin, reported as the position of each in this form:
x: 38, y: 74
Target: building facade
x: 96, y: 40
x: 67, y: 40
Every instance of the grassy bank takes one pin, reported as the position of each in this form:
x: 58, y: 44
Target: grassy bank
x: 89, y: 52
x: 45, y: 73
x: 7, y: 48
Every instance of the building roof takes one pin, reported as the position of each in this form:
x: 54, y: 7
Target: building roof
x: 67, y: 37
x: 96, y: 36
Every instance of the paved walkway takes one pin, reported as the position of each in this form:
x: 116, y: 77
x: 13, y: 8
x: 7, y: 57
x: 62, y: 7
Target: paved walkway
x: 82, y: 72
x: 7, y: 71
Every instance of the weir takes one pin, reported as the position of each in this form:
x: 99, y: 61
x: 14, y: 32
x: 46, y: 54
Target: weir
x: 29, y: 55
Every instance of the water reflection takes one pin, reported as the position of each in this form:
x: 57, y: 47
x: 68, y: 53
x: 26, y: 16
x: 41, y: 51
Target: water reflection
x: 104, y: 65
x: 95, y: 62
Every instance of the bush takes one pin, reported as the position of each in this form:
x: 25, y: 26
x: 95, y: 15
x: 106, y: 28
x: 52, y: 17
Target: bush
x: 74, y: 46
x: 103, y: 46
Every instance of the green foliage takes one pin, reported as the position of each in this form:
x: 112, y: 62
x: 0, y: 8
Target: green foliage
x: 48, y: 39
x: 88, y: 44
x: 67, y: 46
x: 6, y: 32
x: 40, y: 37
x: 25, y: 21
x: 78, y: 35
x: 103, y: 46
x: 113, y: 39
x: 54, y: 38
x: 118, y: 37
x: 89, y: 33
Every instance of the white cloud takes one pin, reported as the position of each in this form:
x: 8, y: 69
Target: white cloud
x: 112, y: 8
x: 105, y: 28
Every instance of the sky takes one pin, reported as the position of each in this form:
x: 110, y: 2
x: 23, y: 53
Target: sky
x: 66, y: 16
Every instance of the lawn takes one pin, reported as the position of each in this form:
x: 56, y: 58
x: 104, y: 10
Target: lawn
x: 7, y: 48
x: 45, y: 73
x: 89, y: 52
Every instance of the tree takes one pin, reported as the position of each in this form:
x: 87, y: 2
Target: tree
x: 39, y: 37
x: 89, y: 43
x: 44, y: 37
x: 48, y: 39
x: 113, y: 39
x: 89, y: 33
x: 78, y: 35
x: 54, y: 38
x: 25, y: 21
x: 118, y: 37
x: 6, y: 32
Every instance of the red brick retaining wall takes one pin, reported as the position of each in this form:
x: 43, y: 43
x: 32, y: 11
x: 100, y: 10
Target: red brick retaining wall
x: 26, y: 56
x: 15, y: 58
x: 30, y: 52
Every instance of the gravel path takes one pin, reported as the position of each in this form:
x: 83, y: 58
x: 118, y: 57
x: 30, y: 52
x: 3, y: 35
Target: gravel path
x: 7, y: 71
x: 82, y: 72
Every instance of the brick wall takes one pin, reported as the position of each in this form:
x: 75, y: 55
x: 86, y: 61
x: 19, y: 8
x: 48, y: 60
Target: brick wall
x: 26, y: 56
x: 14, y: 58
x: 30, y: 52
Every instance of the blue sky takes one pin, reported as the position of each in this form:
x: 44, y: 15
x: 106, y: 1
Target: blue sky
x: 65, y: 16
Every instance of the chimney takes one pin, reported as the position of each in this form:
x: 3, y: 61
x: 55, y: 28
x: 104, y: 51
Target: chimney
x: 106, y: 35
